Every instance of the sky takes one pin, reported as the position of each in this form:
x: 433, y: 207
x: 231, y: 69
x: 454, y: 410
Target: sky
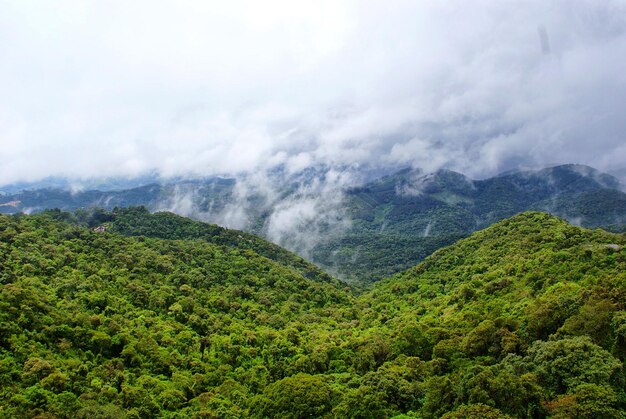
x: 194, y: 88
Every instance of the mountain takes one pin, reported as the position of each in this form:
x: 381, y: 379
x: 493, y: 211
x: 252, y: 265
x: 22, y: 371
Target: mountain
x: 362, y: 234
x: 97, y: 324
x: 406, y: 200
x: 402, y: 218
x: 530, y: 303
x: 102, y: 184
x: 526, y: 318
x: 152, y: 195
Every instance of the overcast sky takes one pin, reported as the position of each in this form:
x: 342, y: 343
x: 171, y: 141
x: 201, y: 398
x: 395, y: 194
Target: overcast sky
x: 119, y: 88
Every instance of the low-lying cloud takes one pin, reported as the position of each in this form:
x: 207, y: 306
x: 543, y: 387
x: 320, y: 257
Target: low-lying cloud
x: 299, y: 211
x: 97, y: 89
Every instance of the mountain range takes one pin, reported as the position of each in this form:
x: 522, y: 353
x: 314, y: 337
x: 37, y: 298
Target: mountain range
x: 363, y: 232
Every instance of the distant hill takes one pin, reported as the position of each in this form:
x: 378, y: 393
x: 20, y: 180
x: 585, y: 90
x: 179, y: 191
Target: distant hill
x: 402, y: 218
x: 102, y: 184
x: 371, y: 231
x: 152, y: 195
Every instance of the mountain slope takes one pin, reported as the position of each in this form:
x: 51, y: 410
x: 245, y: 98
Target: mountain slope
x: 521, y: 256
x: 138, y: 221
x: 526, y: 318
x: 142, y: 326
x: 527, y: 304
x: 426, y: 212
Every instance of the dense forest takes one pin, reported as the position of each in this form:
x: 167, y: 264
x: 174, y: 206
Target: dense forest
x: 160, y: 316
x: 402, y: 218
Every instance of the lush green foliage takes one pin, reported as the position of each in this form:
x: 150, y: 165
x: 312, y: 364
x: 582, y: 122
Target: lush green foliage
x: 91, y: 319
x: 524, y: 319
x: 137, y: 221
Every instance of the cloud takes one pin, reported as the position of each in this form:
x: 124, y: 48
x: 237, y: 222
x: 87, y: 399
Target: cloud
x: 299, y: 210
x: 96, y: 89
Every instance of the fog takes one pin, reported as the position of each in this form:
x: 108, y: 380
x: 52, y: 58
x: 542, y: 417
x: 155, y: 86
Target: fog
x: 112, y: 89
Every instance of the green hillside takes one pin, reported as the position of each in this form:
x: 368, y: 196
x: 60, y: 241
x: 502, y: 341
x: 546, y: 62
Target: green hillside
x: 138, y: 221
x: 526, y: 315
x: 526, y: 318
x: 103, y: 324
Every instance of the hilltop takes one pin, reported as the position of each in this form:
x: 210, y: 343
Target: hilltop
x: 138, y: 221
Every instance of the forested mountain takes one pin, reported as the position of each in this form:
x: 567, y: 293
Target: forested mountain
x: 151, y: 195
x: 371, y: 231
x: 104, y: 184
x: 103, y: 325
x: 526, y: 318
x: 400, y: 219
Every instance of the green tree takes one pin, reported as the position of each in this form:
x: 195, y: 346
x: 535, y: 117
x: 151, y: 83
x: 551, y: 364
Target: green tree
x: 299, y: 396
x: 476, y: 411
x: 564, y: 364
x: 587, y: 401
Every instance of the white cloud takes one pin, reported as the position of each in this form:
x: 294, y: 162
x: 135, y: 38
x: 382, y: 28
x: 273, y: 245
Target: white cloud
x: 116, y: 88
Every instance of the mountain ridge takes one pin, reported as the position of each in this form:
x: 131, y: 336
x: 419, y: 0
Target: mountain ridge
x: 376, y: 229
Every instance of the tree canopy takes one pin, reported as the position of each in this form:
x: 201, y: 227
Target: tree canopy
x: 161, y: 317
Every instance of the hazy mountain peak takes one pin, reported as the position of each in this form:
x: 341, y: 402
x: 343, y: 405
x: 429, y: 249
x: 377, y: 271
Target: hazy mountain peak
x: 565, y: 177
